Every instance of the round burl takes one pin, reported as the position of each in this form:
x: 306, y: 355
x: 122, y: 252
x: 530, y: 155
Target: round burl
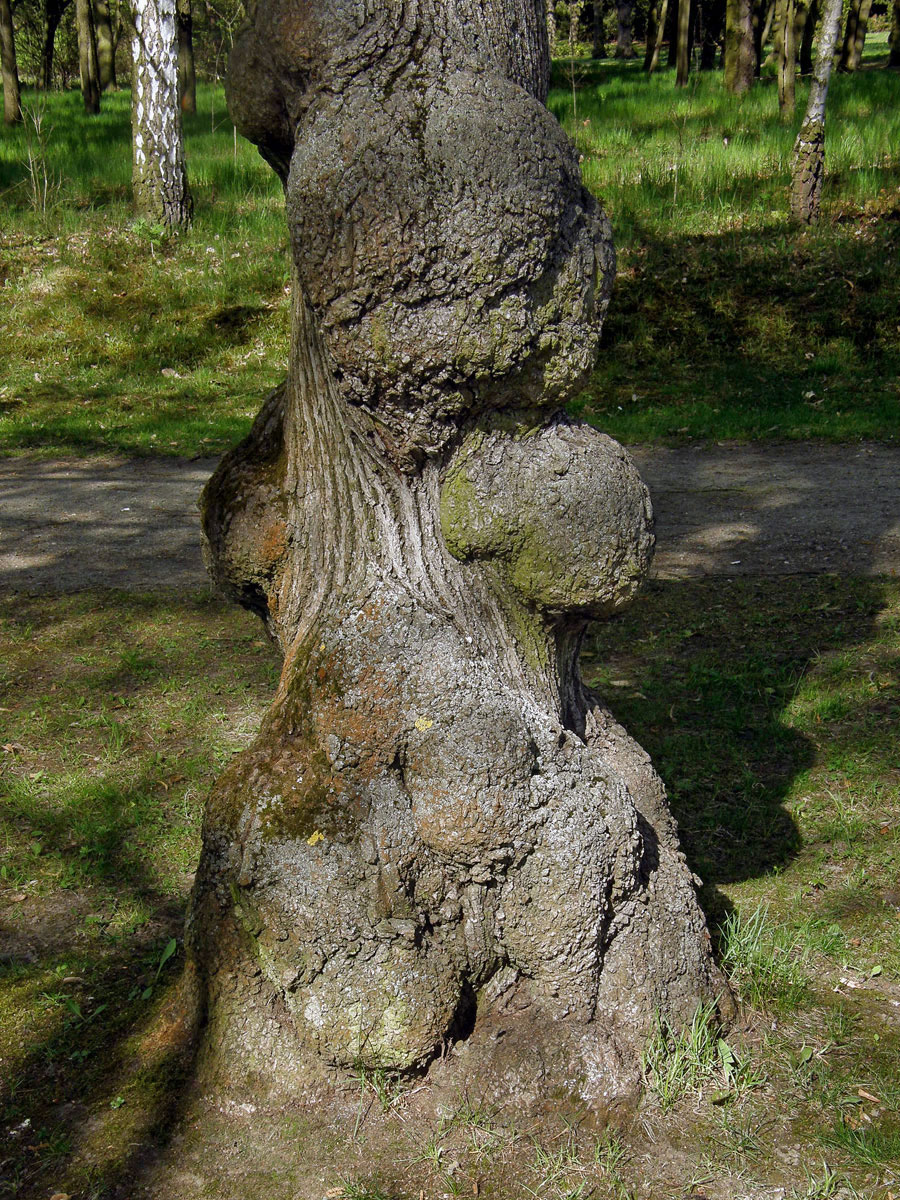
x: 439, y: 838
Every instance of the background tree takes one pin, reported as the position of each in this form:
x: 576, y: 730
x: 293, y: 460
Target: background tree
x: 625, y: 29
x: 808, y: 168
x: 683, y: 55
x: 107, y: 40
x: 438, y: 827
x: 187, y: 74
x: 12, y: 106
x: 712, y: 17
x: 894, y: 60
x: 740, y: 51
x: 87, y: 56
x: 159, y: 175
x: 786, y: 51
x: 810, y: 20
x: 855, y: 34
x: 656, y: 24
x: 53, y: 14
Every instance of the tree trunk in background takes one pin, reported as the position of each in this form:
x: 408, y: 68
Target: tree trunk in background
x: 551, y: 25
x: 159, y: 176
x: 12, y: 104
x: 187, y: 75
x: 683, y: 57
x: 855, y: 35
x: 53, y: 12
x: 625, y: 29
x: 87, y: 56
x: 106, y: 45
x: 894, y: 60
x: 740, y: 54
x: 713, y: 15
x: 598, y: 42
x: 439, y: 833
x: 656, y: 24
x: 787, y: 56
x: 808, y: 169
x: 807, y: 37
x: 763, y: 20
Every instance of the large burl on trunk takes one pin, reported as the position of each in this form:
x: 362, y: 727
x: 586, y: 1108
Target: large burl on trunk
x: 440, y: 838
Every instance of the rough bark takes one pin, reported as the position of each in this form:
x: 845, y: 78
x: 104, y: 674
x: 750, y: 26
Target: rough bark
x: 855, y: 35
x: 439, y: 834
x: 187, y: 75
x: 740, y: 52
x: 87, y: 56
x: 787, y: 56
x: 106, y: 45
x: 894, y: 59
x: 12, y: 105
x: 808, y: 168
x: 656, y: 24
x: 159, y: 176
x: 625, y: 29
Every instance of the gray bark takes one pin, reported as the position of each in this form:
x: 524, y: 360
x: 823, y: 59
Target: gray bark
x: 87, y: 56
x: 159, y: 175
x: 740, y: 50
x: 808, y: 168
x: 438, y: 827
x: 12, y: 107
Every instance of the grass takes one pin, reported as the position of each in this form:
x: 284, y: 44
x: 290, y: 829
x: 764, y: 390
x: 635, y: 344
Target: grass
x: 773, y: 713
x: 725, y: 322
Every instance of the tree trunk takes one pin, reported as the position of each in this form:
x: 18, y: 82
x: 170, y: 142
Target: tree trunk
x: 551, y: 25
x: 12, y: 105
x: 106, y: 45
x: 713, y: 17
x: 159, y: 176
x: 187, y: 76
x: 763, y: 20
x: 740, y: 53
x: 855, y: 35
x: 656, y: 24
x: 439, y: 832
x: 598, y: 42
x: 87, y: 56
x: 787, y: 57
x: 53, y: 11
x: 894, y: 60
x: 625, y: 29
x: 683, y: 58
x: 808, y: 169
x: 810, y: 18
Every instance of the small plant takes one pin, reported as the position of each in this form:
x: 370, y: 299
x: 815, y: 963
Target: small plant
x: 767, y: 964
x: 675, y: 1062
x: 360, y: 1190
x: 825, y: 1186
x: 42, y: 183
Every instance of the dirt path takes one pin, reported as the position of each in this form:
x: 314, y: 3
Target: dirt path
x: 720, y: 510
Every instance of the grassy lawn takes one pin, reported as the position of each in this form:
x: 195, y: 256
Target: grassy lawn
x: 771, y: 710
x: 725, y: 322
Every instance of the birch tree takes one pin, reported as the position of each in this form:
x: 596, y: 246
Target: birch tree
x: 808, y: 167
x: 159, y: 175
x: 439, y: 831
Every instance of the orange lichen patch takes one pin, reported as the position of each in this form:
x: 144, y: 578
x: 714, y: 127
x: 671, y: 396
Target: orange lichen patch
x: 274, y: 543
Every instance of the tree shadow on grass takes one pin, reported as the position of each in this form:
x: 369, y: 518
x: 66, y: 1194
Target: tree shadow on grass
x: 702, y: 673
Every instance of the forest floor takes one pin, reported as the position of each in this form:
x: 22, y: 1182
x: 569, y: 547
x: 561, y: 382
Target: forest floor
x: 722, y: 509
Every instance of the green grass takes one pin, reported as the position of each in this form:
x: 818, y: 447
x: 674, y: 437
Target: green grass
x: 771, y: 711
x: 725, y: 322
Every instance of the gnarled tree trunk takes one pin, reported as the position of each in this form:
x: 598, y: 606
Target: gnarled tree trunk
x: 808, y: 169
x: 12, y: 106
x: 159, y: 176
x: 438, y: 830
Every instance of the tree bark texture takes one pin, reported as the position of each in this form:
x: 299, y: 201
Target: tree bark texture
x: 787, y: 56
x: 439, y: 831
x: 656, y: 24
x: 12, y: 105
x: 159, y: 175
x: 87, y: 56
x: 187, y: 75
x: 855, y: 35
x: 683, y: 55
x: 740, y: 52
x: 106, y: 45
x: 808, y: 167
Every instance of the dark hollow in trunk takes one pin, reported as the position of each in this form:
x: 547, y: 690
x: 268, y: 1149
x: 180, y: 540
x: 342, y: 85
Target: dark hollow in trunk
x: 439, y: 830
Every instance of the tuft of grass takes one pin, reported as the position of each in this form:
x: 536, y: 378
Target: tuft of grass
x: 676, y: 1063
x: 767, y: 963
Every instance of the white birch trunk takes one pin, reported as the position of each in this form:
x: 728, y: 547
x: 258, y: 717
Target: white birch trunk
x: 808, y: 170
x: 159, y: 176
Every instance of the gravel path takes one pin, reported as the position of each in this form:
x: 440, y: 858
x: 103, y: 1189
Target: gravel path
x: 720, y: 510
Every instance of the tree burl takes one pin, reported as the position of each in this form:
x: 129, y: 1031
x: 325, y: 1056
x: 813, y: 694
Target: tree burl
x: 440, y: 839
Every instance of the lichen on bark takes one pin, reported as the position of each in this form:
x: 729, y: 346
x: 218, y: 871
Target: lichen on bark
x: 438, y: 826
